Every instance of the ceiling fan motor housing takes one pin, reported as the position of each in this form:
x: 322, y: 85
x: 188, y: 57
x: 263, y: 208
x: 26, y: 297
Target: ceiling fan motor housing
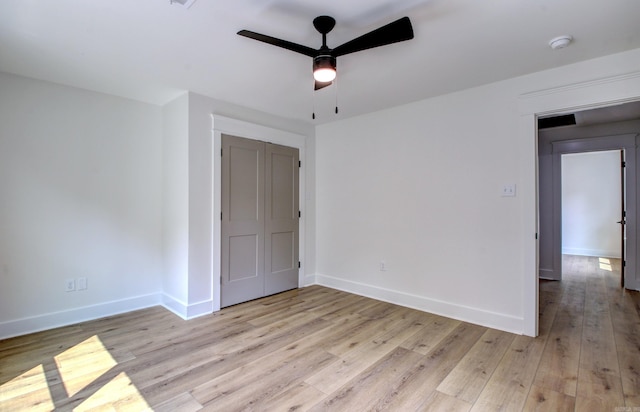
x: 324, y: 61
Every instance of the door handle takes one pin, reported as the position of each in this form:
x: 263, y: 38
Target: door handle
x: 622, y: 222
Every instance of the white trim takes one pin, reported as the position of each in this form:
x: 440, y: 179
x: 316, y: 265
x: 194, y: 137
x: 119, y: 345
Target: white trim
x: 309, y: 280
x: 579, y: 96
x: 72, y: 316
x: 450, y: 310
x: 591, y: 252
x: 185, y: 311
x: 226, y: 125
x: 592, y: 94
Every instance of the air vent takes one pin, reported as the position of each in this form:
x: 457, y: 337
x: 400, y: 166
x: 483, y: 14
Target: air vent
x: 184, y: 3
x: 556, y: 121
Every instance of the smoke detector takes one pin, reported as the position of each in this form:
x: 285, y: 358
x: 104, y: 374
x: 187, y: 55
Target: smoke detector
x: 184, y: 3
x: 560, y: 42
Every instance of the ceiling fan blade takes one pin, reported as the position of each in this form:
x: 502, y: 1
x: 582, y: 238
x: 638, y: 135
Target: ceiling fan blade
x: 298, y: 48
x: 319, y: 85
x: 397, y: 31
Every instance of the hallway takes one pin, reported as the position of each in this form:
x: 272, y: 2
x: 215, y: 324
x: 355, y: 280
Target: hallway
x: 592, y: 355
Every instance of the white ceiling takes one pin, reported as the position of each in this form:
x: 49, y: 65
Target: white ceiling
x: 152, y: 51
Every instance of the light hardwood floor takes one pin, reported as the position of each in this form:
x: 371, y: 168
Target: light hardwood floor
x: 320, y: 349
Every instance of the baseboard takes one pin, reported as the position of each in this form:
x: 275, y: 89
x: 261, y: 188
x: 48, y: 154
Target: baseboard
x: 591, y: 252
x: 185, y: 311
x: 547, y: 274
x: 476, y: 316
x: 69, y: 317
x: 309, y: 280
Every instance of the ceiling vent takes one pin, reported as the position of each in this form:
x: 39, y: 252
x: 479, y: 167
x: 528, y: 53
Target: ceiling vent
x: 184, y: 3
x: 556, y: 121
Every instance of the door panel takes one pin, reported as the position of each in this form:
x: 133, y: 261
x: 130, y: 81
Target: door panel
x: 243, y: 257
x: 282, y: 252
x: 242, y: 246
x: 281, y: 237
x: 244, y: 175
x: 282, y: 168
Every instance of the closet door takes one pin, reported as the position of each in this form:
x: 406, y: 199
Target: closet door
x: 243, y: 223
x: 259, y: 219
x: 281, y: 219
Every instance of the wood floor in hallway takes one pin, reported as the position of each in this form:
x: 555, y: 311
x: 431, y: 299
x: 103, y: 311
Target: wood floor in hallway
x: 318, y: 349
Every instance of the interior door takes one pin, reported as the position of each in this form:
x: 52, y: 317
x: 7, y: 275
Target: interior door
x: 623, y: 218
x: 281, y: 219
x: 243, y: 225
x: 259, y: 219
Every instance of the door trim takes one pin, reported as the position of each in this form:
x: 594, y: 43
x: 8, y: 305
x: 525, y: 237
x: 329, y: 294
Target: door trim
x: 589, y: 94
x: 227, y: 125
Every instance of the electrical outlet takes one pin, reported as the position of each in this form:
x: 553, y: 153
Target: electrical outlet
x: 508, y: 191
x: 82, y: 283
x: 70, y: 285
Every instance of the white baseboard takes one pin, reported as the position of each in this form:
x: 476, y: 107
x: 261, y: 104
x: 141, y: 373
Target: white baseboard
x: 185, y: 311
x: 309, y: 280
x: 69, y: 317
x: 591, y: 252
x: 477, y: 316
x: 547, y: 274
x: 47, y: 321
x: 63, y: 318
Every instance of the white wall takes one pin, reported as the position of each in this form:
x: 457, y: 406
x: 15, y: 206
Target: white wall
x: 175, y: 202
x: 80, y: 197
x: 591, y: 204
x: 419, y: 187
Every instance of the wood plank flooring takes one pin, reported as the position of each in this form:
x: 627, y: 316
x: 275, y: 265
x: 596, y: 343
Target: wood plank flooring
x: 318, y: 349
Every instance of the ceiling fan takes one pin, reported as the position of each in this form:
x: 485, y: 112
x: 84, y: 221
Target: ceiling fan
x: 324, y: 58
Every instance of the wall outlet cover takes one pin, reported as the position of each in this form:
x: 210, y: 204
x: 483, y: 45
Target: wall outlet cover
x: 509, y: 190
x: 69, y: 285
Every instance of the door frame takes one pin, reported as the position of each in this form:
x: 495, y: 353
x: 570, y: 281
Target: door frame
x: 589, y: 145
x: 591, y: 94
x: 227, y: 125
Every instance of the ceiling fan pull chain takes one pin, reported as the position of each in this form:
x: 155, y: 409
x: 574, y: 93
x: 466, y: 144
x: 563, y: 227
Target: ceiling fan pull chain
x: 313, y: 100
x: 335, y: 82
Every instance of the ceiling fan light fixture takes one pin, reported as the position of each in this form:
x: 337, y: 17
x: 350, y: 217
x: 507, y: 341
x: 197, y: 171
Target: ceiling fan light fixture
x: 324, y: 68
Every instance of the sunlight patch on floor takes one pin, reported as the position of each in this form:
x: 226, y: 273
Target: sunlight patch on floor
x: 83, y: 364
x: 78, y: 369
x: 120, y: 388
x: 29, y: 390
x: 605, y: 264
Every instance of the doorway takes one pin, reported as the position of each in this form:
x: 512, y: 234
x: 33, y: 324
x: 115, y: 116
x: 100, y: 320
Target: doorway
x: 259, y: 219
x: 552, y: 146
x: 593, y: 204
